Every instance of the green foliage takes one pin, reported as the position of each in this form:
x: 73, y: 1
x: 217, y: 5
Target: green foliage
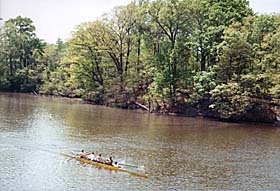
x: 204, y: 82
x: 257, y: 85
x: 53, y: 74
x: 214, y: 56
x: 229, y: 101
x: 233, y: 100
x: 209, y: 20
x: 275, y: 91
x: 20, y: 53
x: 170, y: 18
x: 235, y: 54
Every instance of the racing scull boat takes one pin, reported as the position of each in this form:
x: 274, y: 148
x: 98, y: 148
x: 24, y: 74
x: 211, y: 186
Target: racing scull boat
x: 104, y: 165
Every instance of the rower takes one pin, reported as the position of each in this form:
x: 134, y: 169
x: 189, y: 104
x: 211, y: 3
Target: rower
x: 109, y: 161
x: 91, y: 156
x: 99, y: 158
x: 116, y: 165
x: 83, y: 154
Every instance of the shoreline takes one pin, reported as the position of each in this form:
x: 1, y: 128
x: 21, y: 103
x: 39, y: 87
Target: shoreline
x: 199, y: 116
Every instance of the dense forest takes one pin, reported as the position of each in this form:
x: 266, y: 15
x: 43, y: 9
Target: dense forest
x: 194, y: 57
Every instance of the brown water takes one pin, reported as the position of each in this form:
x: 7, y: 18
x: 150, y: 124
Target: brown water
x: 177, y: 153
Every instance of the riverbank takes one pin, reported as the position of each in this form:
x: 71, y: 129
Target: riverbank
x: 187, y: 110
x: 183, y: 110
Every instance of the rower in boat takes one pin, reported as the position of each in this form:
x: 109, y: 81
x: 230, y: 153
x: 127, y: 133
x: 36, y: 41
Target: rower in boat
x: 116, y: 165
x: 106, y: 166
x: 99, y: 158
x: 91, y: 156
x: 83, y: 154
x: 109, y: 161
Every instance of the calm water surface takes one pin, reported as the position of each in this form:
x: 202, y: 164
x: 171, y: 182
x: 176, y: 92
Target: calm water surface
x: 177, y: 153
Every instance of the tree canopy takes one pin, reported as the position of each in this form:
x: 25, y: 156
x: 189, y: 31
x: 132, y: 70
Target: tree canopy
x: 20, y: 52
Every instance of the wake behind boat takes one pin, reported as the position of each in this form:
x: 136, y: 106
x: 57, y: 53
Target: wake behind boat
x: 104, y: 165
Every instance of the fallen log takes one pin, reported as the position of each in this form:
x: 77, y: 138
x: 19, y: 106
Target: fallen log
x: 142, y: 106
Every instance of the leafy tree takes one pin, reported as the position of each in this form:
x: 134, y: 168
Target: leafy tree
x: 235, y: 54
x: 210, y: 18
x: 88, y: 60
x: 21, y: 51
x: 171, y: 18
x: 204, y: 82
x: 51, y: 62
x: 229, y: 101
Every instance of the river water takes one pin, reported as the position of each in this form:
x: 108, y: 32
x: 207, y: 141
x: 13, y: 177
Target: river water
x: 177, y: 153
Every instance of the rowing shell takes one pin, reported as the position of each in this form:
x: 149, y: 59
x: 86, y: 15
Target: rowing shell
x: 105, y: 165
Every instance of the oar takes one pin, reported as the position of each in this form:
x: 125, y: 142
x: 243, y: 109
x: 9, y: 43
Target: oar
x: 74, y: 154
x: 130, y: 165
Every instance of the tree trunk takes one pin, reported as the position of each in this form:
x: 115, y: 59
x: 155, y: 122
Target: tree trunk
x: 203, y: 60
x: 174, y: 73
x: 138, y: 54
x: 11, y: 67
